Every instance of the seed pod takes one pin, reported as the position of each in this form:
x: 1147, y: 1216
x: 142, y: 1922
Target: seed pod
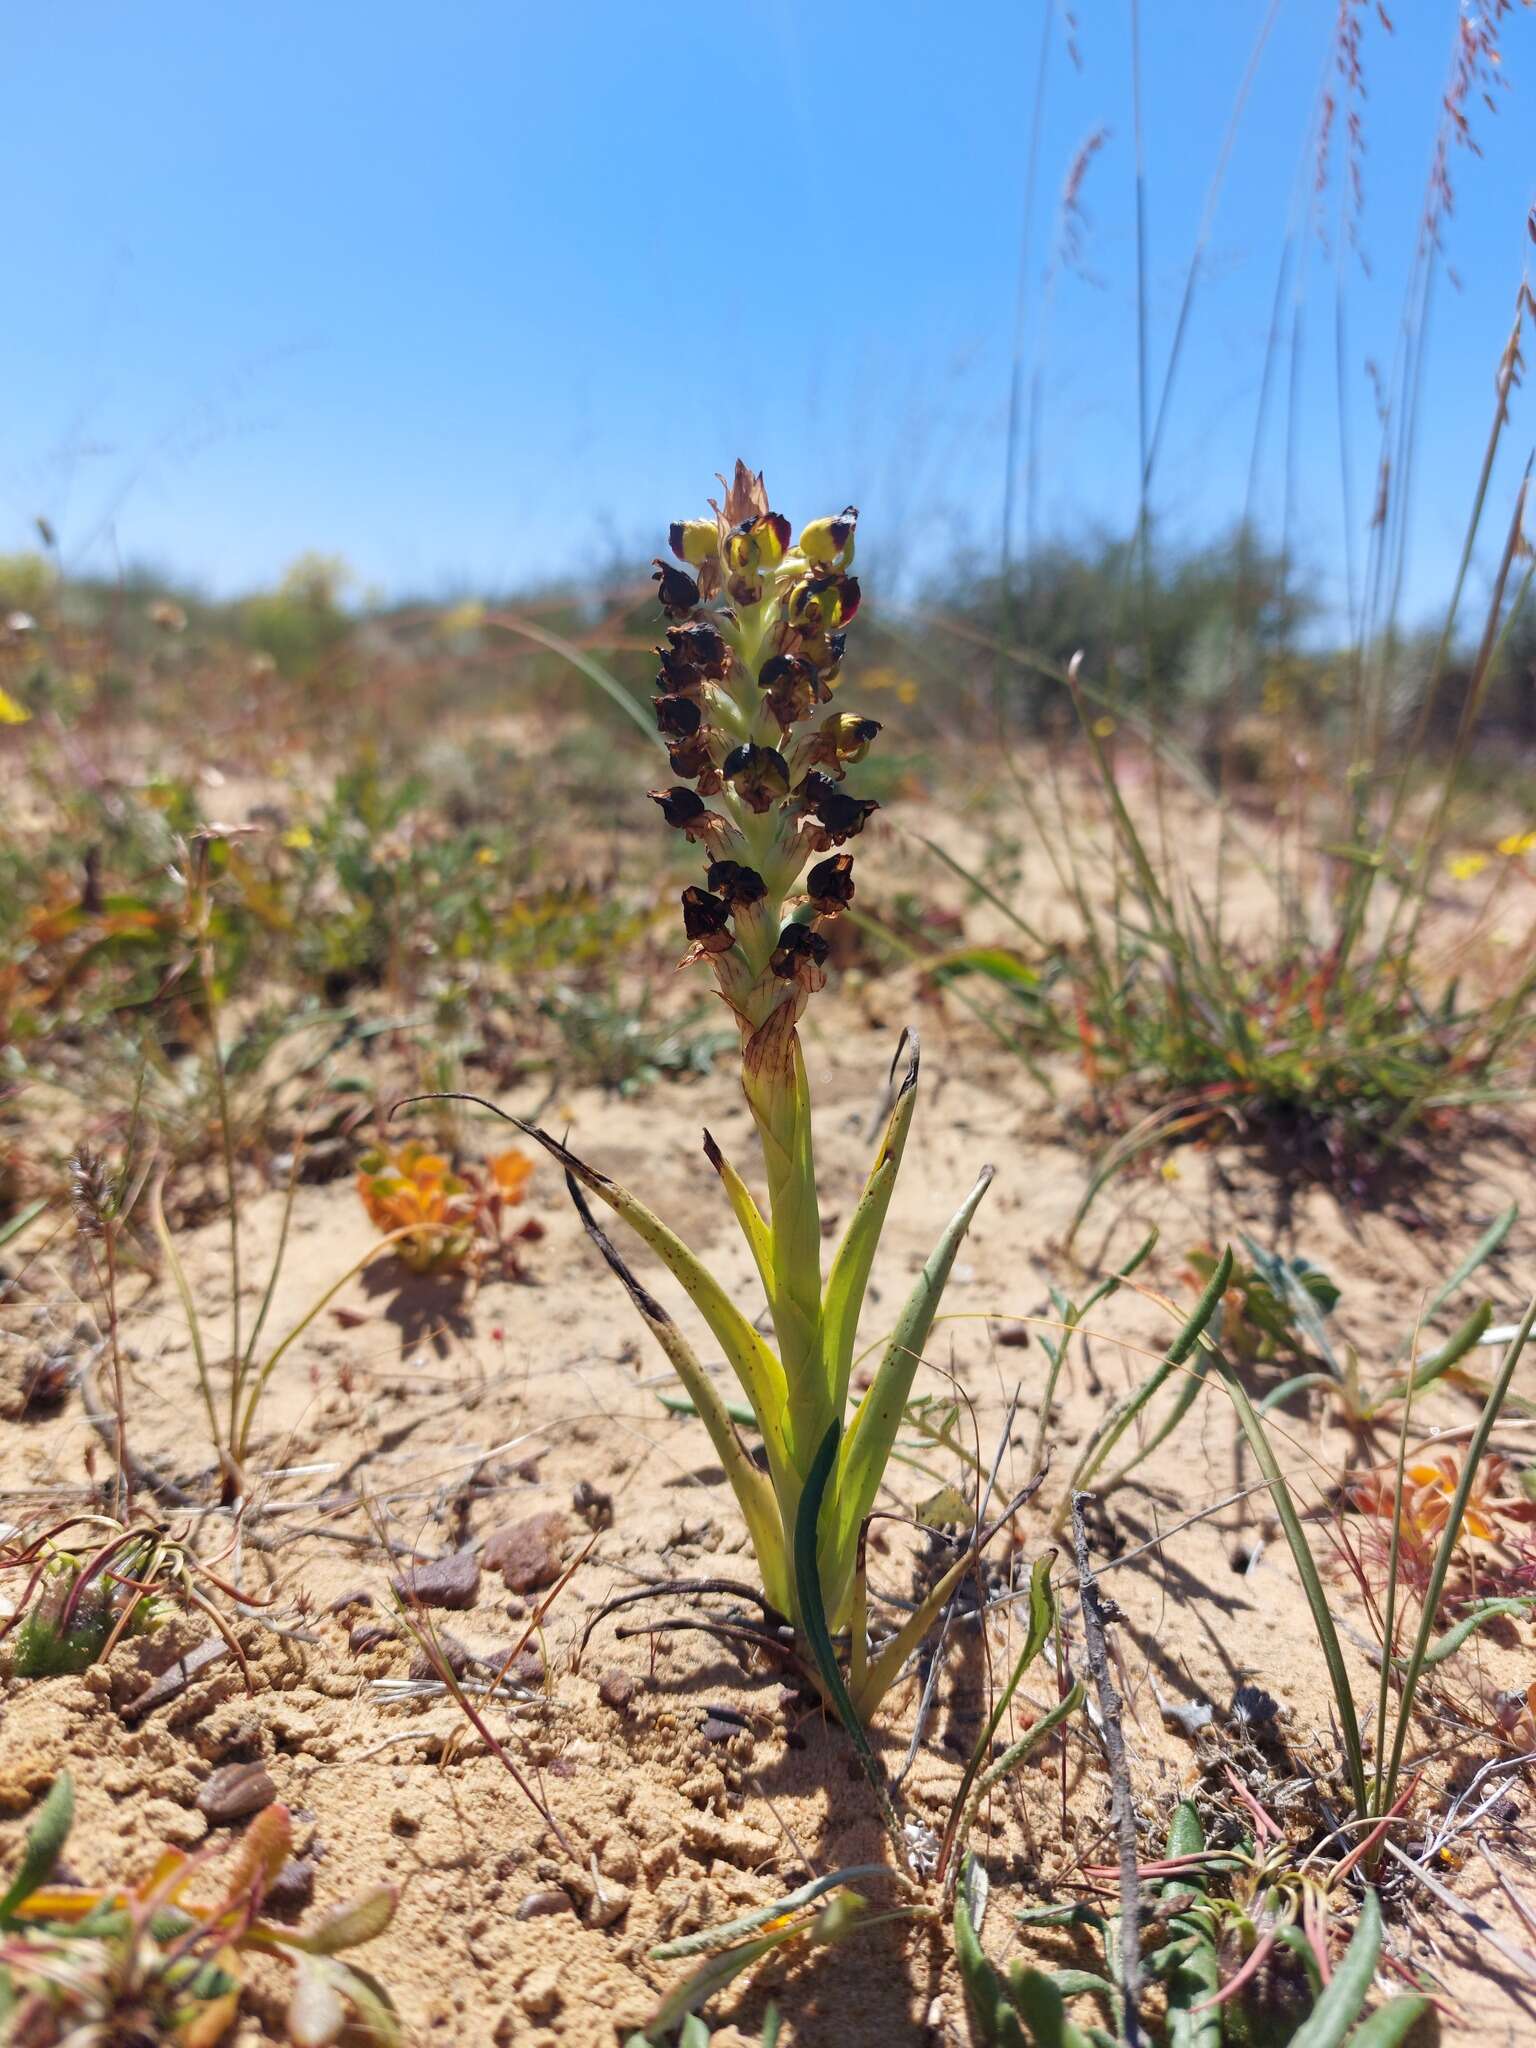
x: 740, y: 886
x: 759, y: 775
x: 678, y: 716
x: 829, y: 885
x: 694, y: 540
x: 707, y: 920
x: 676, y: 590
x: 830, y: 541
x: 800, y: 947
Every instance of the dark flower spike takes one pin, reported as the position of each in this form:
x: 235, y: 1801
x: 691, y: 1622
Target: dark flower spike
x: 676, y: 590
x: 740, y: 886
x: 707, y: 920
x: 679, y: 716
x: 759, y: 775
x: 829, y: 542
x: 829, y: 885
x: 694, y: 540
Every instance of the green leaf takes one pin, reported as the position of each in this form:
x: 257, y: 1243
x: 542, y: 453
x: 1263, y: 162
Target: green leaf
x: 317, y: 2011
x: 747, y: 1214
x: 1339, y: 2005
x: 45, y: 1844
x: 1447, y: 1645
x: 867, y: 1447
x: 754, y: 1495
x: 846, y: 1283
x: 1175, y: 1356
x: 1393, y: 2023
x: 996, y: 963
x: 1031, y: 1740
x: 813, y: 1615
x: 711, y: 1939
x: 993, y: 2020
x: 1186, y: 1835
x: 349, y: 1926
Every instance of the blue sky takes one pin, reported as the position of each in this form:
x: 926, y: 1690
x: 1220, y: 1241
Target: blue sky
x: 475, y: 294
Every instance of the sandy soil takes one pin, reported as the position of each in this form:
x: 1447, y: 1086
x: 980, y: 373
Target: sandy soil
x: 456, y: 1414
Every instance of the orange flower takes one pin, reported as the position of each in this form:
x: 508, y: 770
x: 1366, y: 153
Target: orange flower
x: 1429, y: 1487
x: 454, y: 1216
x: 511, y: 1172
x: 415, y: 1188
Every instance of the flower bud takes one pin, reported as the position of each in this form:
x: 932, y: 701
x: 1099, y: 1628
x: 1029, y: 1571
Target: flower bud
x: 840, y: 740
x: 820, y: 604
x: 678, y: 716
x: 829, y: 885
x: 676, y: 589
x: 830, y: 541
x: 759, y: 775
x: 800, y: 948
x: 740, y: 886
x: 707, y: 920
x: 694, y: 540
x: 758, y: 543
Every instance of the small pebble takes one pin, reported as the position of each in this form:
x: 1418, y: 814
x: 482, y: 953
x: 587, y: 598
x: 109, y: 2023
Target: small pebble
x: 452, y: 1581
x: 538, y: 1904
x: 617, y: 1689
x: 292, y: 1888
x: 234, y: 1793
x: 528, y: 1554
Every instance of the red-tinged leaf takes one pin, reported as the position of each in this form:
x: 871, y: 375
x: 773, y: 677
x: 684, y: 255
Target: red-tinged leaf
x: 264, y: 1848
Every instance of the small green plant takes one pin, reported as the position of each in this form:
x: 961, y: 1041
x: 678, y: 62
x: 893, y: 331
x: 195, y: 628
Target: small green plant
x: 110, y: 1580
x: 145, y: 1962
x: 1215, y: 1945
x: 754, y: 647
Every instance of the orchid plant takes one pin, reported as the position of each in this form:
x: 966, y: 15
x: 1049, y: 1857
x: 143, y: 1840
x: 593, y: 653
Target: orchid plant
x: 760, y: 750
